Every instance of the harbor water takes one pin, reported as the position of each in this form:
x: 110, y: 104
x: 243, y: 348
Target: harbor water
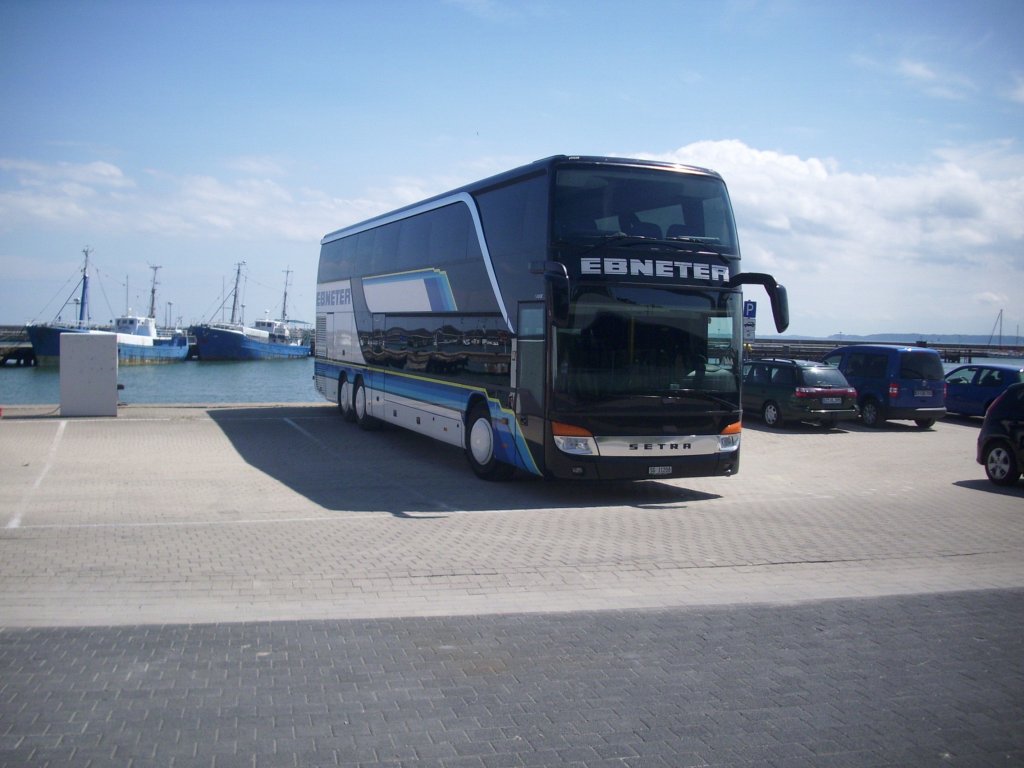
x: 194, y: 382
x: 190, y: 382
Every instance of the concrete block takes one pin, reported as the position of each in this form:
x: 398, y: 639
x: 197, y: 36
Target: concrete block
x: 88, y: 374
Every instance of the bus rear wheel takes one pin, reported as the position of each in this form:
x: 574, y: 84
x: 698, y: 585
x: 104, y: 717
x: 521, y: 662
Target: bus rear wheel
x: 348, y: 411
x: 359, y: 407
x: 480, y: 446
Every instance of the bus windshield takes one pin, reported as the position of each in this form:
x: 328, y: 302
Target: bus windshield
x: 627, y: 341
x: 599, y: 202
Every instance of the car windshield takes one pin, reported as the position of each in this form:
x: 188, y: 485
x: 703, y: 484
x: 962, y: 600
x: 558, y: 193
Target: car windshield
x: 824, y: 377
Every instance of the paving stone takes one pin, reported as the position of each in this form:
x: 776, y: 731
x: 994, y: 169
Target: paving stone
x: 584, y: 688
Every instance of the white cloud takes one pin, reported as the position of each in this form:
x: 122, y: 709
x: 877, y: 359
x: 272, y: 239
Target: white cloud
x: 254, y: 165
x: 95, y: 174
x: 934, y: 248
x: 915, y: 250
x: 922, y: 76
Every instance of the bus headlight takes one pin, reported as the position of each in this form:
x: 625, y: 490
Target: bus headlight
x: 573, y: 439
x: 729, y: 438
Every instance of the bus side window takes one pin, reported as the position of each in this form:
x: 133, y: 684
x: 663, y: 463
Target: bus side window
x: 449, y: 234
x: 364, y: 249
x: 413, y: 239
x: 385, y: 246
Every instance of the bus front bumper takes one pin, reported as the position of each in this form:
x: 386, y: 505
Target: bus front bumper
x: 565, y: 467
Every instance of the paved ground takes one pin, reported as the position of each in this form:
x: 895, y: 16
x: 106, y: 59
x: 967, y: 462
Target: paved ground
x: 269, y: 585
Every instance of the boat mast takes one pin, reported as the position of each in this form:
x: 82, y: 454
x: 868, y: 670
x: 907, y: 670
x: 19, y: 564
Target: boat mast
x: 152, y: 294
x: 284, y: 301
x: 83, y: 312
x: 999, y: 325
x: 234, y: 303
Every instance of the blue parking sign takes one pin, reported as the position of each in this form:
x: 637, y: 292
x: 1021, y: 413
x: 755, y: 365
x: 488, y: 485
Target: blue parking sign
x: 750, y: 309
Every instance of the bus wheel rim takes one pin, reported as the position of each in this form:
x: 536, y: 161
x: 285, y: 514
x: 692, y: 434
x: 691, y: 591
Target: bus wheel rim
x: 481, y: 441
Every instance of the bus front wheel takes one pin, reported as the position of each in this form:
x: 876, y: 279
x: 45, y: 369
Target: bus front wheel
x: 480, y: 446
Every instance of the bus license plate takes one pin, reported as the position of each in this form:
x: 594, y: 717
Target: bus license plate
x: 658, y: 471
x: 922, y: 393
x: 832, y: 400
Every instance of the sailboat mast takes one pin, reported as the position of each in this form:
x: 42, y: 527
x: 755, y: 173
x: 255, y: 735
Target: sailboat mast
x: 998, y: 324
x: 83, y: 311
x: 152, y: 294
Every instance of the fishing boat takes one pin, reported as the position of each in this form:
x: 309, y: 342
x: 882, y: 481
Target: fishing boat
x: 139, y: 340
x: 266, y: 339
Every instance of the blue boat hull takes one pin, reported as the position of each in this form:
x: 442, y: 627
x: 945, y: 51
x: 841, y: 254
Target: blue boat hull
x: 46, y: 346
x: 224, y: 344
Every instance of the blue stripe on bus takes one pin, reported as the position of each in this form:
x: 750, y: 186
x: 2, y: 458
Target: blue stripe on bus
x: 510, y: 445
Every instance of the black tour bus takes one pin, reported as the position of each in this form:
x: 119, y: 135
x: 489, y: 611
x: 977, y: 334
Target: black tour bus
x: 579, y: 317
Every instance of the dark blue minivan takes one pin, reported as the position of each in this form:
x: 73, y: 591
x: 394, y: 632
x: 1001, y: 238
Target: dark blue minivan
x: 893, y: 382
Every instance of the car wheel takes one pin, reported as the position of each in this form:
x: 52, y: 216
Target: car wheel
x: 772, y: 415
x: 871, y: 413
x: 1000, y: 464
x: 480, y: 446
x: 925, y: 423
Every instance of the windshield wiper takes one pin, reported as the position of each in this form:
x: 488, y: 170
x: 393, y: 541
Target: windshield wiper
x: 603, y: 240
x: 697, y: 239
x: 700, y: 394
x: 708, y: 245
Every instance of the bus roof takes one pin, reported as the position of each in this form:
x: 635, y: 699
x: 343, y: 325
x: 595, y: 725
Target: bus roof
x: 525, y: 170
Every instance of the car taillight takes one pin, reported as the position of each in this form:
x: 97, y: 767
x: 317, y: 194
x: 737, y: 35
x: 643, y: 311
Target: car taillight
x: 894, y: 390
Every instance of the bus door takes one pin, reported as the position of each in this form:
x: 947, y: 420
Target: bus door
x: 529, y: 361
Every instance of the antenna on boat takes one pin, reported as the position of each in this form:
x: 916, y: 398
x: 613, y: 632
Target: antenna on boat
x: 152, y: 293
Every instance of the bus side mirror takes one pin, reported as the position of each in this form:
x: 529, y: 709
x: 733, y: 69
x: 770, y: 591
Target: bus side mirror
x: 556, y: 286
x: 776, y: 294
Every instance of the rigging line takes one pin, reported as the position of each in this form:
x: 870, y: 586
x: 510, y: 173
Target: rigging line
x: 226, y: 296
x: 60, y: 290
x: 104, y: 292
x: 68, y: 300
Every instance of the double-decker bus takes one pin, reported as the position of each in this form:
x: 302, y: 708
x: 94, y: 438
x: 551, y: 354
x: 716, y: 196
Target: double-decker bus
x: 578, y: 318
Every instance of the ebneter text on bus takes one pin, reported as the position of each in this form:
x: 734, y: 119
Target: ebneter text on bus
x: 578, y: 317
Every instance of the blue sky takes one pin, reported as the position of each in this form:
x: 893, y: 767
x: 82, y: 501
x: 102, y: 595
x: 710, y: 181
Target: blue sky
x: 874, y: 150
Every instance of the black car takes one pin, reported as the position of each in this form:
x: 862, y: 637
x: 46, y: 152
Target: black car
x: 1001, y: 440
x: 784, y: 390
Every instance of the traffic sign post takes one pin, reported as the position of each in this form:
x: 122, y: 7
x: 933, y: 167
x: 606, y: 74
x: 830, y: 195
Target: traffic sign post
x: 749, y: 320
